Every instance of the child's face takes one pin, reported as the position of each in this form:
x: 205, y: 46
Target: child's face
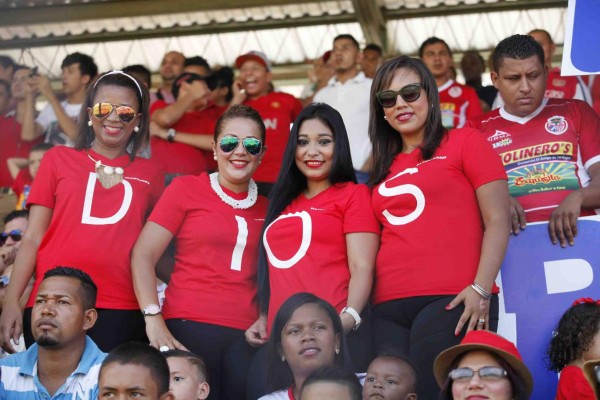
x: 389, y: 379
x: 128, y: 381
x: 35, y: 158
x: 593, y: 353
x: 186, y: 382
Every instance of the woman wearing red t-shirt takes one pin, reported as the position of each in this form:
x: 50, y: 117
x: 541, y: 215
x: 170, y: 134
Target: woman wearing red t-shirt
x: 216, y: 221
x: 320, y: 233
x: 442, y: 200
x: 87, y: 207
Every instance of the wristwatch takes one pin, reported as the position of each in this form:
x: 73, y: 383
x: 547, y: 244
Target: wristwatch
x: 151, y: 310
x: 355, y: 315
x: 171, y: 134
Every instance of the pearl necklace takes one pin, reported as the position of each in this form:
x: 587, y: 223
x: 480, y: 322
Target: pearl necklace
x: 239, y: 204
x: 107, y: 175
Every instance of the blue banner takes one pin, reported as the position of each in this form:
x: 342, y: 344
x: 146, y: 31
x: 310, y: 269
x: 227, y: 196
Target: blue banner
x: 539, y: 283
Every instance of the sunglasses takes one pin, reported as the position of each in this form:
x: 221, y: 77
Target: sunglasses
x: 486, y: 373
x: 229, y: 143
x: 409, y: 93
x: 102, y: 110
x: 16, y: 235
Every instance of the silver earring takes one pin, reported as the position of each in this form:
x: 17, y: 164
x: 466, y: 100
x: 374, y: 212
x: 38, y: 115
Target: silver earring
x: 337, y: 351
x: 215, y: 157
x: 90, y: 122
x: 384, y: 117
x: 136, y: 128
x: 282, y: 358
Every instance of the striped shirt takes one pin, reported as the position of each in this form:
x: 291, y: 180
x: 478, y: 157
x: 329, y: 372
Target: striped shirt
x: 19, y: 380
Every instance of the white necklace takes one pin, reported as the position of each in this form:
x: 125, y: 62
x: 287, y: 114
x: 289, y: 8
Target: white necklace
x: 240, y: 204
x: 107, y: 175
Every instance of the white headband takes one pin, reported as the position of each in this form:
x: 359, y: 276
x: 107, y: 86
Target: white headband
x: 121, y: 73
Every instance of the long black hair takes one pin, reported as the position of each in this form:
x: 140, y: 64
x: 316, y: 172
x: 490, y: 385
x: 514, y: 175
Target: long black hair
x: 279, y: 372
x: 291, y: 182
x: 387, y: 142
x: 138, y: 140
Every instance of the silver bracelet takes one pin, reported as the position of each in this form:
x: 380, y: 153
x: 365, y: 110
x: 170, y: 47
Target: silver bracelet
x: 481, y: 291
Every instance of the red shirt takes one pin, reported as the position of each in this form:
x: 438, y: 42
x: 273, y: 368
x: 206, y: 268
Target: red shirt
x: 214, y: 278
x: 458, y: 103
x: 278, y: 111
x: 11, y: 145
x: 180, y: 158
x: 572, y: 385
x: 432, y: 229
x: 306, y: 244
x: 560, y: 87
x: 93, y: 228
x: 546, y: 154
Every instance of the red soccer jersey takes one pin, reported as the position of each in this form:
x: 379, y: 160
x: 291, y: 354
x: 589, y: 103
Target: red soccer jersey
x: 560, y: 87
x: 11, y: 145
x: 459, y: 103
x: 306, y: 244
x: 214, y: 279
x: 278, y: 111
x: 93, y: 228
x: 545, y: 154
x: 572, y: 385
x: 432, y: 229
x: 180, y: 158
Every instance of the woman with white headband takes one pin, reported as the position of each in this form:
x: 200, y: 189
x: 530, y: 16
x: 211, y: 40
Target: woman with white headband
x: 87, y: 207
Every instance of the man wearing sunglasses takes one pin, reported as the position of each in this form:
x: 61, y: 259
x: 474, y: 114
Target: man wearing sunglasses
x: 458, y: 102
x: 550, y: 148
x: 15, y: 225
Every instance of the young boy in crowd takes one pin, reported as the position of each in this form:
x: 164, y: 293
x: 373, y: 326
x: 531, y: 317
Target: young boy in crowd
x: 24, y: 171
x: 390, y: 377
x: 189, y: 376
x: 134, y: 370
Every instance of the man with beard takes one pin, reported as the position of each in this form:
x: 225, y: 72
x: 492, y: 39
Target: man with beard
x: 349, y: 92
x: 170, y: 68
x: 64, y: 362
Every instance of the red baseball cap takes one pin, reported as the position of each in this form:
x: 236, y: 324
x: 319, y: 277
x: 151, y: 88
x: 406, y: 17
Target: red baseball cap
x: 484, y: 341
x: 256, y: 56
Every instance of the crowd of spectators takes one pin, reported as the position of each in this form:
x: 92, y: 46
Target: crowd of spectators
x: 302, y: 242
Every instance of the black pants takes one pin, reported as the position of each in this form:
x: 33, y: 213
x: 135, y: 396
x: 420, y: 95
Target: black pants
x: 420, y: 328
x: 225, y: 352
x: 112, y: 328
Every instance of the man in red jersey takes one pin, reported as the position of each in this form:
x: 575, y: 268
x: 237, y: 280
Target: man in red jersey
x: 278, y: 110
x: 550, y: 148
x: 458, y: 102
x: 557, y: 86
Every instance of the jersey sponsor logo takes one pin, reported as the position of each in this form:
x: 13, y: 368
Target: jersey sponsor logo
x: 86, y: 216
x: 409, y: 189
x: 455, y: 91
x: 562, y: 150
x: 559, y: 82
x: 270, y: 123
x: 542, y: 177
x: 556, y: 125
x: 500, y: 139
x: 535, y: 177
x: 554, y: 94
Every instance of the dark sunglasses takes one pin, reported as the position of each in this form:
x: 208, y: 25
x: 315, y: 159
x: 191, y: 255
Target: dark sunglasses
x: 16, y: 235
x: 229, y: 143
x: 485, y: 373
x: 410, y: 93
x: 102, y: 110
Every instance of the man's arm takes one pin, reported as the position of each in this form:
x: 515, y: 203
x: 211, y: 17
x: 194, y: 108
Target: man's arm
x: 562, y: 226
x: 188, y: 94
x: 30, y: 129
x: 68, y: 126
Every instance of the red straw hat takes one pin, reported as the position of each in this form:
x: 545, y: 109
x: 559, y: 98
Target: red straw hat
x: 486, y: 341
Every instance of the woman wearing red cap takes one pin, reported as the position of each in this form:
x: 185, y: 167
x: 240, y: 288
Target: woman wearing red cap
x: 483, y: 365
